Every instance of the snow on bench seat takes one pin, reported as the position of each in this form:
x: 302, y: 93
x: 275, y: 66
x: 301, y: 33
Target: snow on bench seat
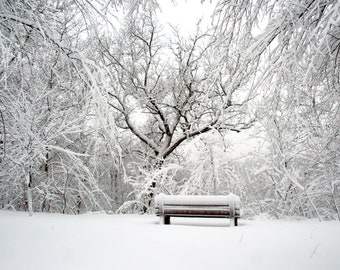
x: 167, y: 206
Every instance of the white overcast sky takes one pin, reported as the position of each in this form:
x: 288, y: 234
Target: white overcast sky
x: 184, y: 14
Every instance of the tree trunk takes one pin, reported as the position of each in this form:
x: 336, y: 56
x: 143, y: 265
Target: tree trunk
x: 29, y: 193
x: 151, y: 189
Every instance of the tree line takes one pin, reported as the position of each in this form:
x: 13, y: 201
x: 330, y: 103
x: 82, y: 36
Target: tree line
x: 98, y: 117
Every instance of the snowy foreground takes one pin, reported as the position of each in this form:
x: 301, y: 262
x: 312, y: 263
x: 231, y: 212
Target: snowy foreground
x: 115, y: 242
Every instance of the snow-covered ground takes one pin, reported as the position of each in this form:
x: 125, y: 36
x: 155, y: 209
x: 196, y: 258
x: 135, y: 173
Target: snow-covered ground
x: 117, y: 242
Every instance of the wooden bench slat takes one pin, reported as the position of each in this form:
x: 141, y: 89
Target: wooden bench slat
x: 196, y: 206
x: 194, y: 212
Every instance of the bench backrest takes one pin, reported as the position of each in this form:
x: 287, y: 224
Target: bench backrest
x: 231, y: 201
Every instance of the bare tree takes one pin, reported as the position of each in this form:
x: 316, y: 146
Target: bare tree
x: 166, y: 95
x: 46, y: 103
x: 297, y: 44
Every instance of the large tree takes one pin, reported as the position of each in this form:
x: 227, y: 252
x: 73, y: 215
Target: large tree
x: 167, y: 91
x: 46, y: 105
x: 167, y: 94
x: 299, y: 45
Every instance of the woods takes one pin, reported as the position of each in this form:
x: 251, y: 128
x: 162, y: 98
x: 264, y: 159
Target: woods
x: 102, y: 106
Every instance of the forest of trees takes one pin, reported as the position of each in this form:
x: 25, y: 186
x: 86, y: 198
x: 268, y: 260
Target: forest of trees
x: 97, y: 115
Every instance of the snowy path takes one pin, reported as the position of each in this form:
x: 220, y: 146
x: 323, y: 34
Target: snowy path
x: 99, y: 241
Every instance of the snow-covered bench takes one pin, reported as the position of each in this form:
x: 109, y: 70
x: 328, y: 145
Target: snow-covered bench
x: 167, y: 206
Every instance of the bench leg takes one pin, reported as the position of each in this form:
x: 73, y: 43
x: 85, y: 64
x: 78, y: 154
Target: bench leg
x: 235, y: 221
x: 166, y: 219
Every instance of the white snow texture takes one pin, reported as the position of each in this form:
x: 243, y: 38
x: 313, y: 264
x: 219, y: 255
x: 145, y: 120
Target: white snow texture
x: 118, y: 242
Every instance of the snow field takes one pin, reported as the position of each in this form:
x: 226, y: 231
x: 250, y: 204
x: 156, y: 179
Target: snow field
x: 118, y: 242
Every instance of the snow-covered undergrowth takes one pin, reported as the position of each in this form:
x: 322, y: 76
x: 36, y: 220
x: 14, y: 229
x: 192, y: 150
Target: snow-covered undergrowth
x: 116, y: 242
